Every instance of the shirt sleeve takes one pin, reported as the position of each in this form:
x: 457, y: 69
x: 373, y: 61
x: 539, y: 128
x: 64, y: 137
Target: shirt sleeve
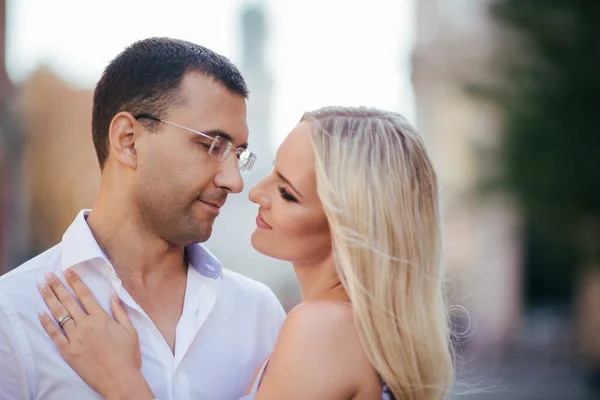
x: 13, y: 376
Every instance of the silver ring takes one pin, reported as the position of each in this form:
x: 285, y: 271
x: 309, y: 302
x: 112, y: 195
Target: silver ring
x: 64, y: 319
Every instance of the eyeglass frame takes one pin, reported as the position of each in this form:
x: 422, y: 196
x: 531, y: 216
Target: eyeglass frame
x: 249, y: 160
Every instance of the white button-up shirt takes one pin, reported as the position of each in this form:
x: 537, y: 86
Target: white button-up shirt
x: 228, y: 325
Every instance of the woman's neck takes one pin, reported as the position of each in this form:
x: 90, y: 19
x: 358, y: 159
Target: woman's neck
x: 320, y: 281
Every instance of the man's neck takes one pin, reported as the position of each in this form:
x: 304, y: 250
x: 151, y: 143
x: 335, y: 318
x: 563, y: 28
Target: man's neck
x: 140, y: 258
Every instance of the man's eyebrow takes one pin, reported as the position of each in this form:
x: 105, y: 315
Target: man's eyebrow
x: 284, y: 179
x: 224, y: 135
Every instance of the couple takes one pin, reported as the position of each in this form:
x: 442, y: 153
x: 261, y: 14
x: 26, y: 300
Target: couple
x: 132, y: 306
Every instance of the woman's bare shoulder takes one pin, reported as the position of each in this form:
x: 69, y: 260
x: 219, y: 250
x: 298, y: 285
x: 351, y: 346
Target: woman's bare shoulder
x: 321, y: 314
x: 318, y: 354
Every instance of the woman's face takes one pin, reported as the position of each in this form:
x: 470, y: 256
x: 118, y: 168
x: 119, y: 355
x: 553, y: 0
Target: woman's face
x: 291, y: 224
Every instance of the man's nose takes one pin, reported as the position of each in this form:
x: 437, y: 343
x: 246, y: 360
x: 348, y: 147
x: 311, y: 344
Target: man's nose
x: 229, y: 176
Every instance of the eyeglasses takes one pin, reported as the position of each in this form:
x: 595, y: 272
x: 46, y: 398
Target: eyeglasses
x: 219, y: 147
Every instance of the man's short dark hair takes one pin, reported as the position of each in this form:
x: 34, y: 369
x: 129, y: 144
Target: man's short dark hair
x: 146, y: 78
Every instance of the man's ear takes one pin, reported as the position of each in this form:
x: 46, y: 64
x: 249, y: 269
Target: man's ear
x: 121, y: 137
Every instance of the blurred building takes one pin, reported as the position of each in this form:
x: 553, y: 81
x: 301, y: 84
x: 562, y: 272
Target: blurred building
x: 456, y: 45
x: 14, y: 236
x: 230, y: 240
x: 61, y: 170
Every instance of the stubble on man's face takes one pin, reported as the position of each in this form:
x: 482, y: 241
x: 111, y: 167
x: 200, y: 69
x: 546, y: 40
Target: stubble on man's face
x: 179, y: 175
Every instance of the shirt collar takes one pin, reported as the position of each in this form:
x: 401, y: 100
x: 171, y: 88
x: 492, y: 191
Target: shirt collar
x: 79, y: 245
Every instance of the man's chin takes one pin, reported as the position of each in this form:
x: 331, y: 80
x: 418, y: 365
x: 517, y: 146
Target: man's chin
x: 203, y: 234
x: 192, y: 233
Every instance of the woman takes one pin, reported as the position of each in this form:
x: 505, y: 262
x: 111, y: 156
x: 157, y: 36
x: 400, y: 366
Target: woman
x: 353, y: 204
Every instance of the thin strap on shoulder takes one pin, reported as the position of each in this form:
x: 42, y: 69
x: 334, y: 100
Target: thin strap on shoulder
x: 386, y: 393
x: 254, y: 388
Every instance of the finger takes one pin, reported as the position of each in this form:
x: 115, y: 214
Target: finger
x: 55, y: 334
x: 65, y: 298
x: 120, y: 313
x: 83, y: 292
x: 56, y: 308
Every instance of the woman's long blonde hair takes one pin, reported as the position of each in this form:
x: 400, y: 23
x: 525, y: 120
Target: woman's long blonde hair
x: 380, y: 194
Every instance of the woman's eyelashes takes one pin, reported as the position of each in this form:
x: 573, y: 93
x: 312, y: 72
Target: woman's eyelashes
x: 286, y: 195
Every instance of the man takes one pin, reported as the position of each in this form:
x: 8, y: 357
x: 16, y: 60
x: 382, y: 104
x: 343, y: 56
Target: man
x: 169, y: 128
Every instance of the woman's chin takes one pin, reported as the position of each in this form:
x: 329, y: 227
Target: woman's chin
x: 264, y: 245
x: 258, y: 243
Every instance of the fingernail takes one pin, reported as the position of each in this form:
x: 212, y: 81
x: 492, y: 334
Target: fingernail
x: 115, y: 296
x: 70, y: 275
x: 50, y: 277
x: 42, y: 286
x: 42, y: 315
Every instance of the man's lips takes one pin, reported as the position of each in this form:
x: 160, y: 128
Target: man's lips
x: 217, y: 205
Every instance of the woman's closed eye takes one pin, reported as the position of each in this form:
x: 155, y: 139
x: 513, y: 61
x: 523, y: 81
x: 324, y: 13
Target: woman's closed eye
x: 286, y: 195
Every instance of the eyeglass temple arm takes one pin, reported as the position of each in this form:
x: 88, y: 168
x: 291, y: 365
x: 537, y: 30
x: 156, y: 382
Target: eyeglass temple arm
x: 147, y: 116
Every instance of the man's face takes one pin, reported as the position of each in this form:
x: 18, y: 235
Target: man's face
x: 178, y: 187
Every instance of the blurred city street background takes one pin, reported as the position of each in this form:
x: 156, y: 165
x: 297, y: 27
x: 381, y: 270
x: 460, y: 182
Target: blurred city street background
x: 505, y: 93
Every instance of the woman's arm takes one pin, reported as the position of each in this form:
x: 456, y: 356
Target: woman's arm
x: 104, y: 351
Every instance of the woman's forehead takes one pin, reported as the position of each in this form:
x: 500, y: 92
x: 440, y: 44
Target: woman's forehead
x: 296, y: 158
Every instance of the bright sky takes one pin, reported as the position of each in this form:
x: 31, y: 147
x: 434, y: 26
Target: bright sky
x: 322, y: 52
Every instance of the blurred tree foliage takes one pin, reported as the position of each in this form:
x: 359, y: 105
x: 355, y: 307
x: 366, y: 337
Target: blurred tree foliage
x: 550, y: 153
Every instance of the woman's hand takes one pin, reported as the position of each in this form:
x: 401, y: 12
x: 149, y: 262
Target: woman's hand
x: 104, y: 351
